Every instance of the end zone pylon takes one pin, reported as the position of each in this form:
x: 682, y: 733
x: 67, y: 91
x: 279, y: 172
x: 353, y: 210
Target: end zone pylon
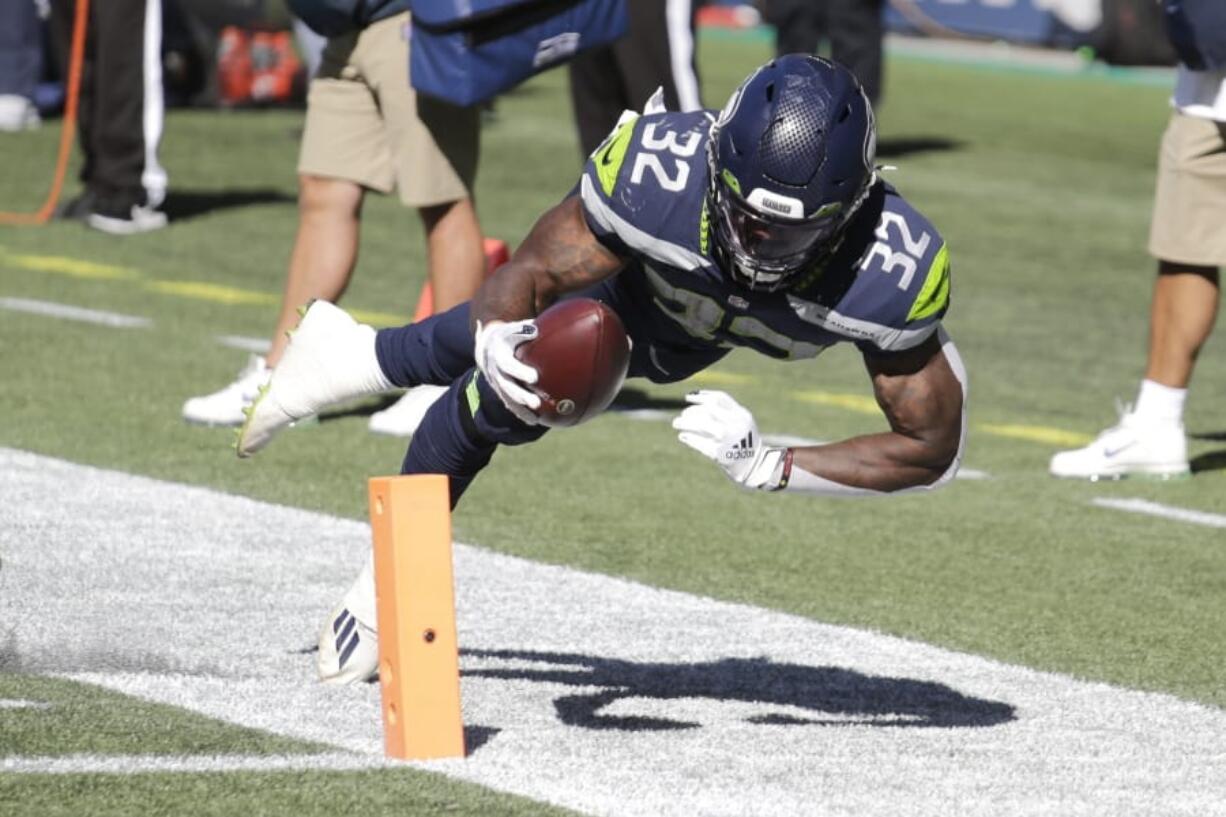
x: 419, y: 666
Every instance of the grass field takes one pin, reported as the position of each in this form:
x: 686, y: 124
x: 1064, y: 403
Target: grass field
x: 1041, y: 184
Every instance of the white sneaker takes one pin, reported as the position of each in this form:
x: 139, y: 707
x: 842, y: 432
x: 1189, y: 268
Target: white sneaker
x: 348, y: 642
x: 17, y: 113
x: 330, y: 359
x: 137, y: 220
x: 402, y: 418
x: 225, y: 407
x: 1135, y: 447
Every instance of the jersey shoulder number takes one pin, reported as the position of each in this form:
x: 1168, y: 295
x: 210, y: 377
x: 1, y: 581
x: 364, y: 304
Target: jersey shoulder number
x: 909, y: 260
x: 651, y: 155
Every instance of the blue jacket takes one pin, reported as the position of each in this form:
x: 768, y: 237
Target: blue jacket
x: 1197, y: 29
x: 334, y: 17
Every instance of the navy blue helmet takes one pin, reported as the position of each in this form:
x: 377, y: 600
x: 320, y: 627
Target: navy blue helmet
x: 791, y: 158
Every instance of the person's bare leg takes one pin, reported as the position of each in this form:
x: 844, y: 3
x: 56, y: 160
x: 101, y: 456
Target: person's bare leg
x: 325, y: 250
x: 1182, y: 315
x: 455, y: 254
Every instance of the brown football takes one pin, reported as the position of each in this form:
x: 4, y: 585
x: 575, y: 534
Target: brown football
x: 581, y: 354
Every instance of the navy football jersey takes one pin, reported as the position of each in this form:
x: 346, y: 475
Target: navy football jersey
x: 644, y: 195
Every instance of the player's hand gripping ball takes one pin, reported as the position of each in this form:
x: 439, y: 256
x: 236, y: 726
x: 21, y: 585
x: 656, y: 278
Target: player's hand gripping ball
x: 581, y: 354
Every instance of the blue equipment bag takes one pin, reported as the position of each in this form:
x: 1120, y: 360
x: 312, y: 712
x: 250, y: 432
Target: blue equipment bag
x: 468, y: 51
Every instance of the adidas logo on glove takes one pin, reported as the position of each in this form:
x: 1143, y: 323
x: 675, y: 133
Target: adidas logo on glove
x: 744, y: 450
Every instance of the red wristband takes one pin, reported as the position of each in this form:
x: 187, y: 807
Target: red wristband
x: 787, y: 471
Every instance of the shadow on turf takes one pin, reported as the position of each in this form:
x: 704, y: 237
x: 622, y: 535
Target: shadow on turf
x: 834, y: 696
x: 900, y: 146
x: 181, y: 205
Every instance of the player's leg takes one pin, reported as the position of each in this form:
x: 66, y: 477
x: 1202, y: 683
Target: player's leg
x: 331, y: 359
x: 457, y: 437
x: 461, y: 431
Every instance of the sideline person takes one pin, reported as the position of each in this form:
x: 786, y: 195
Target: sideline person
x: 1188, y: 237
x: 367, y: 129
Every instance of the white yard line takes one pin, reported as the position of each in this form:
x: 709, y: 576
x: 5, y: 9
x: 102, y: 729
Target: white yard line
x: 50, y: 309
x: 257, y: 346
x: 1144, y: 506
x: 602, y: 695
x: 132, y: 764
x: 18, y: 703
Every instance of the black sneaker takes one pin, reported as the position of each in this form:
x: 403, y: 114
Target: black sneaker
x: 77, y: 208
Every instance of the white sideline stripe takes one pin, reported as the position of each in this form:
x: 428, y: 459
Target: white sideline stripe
x: 1211, y: 520
x: 258, y: 346
x: 133, y: 764
x: 18, y: 703
x: 75, y: 313
x: 193, y: 598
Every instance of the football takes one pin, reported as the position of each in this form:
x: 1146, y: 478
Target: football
x: 581, y: 354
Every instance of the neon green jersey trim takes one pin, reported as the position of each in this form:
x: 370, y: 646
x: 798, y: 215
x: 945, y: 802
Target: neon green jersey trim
x: 731, y: 181
x: 934, y: 294
x: 704, y: 229
x: 474, y: 396
x: 609, y: 157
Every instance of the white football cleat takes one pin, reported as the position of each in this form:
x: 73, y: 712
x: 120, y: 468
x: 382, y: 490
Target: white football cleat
x: 348, y: 650
x: 17, y: 113
x: 1135, y: 447
x: 225, y: 407
x: 403, y: 417
x: 348, y: 643
x: 330, y: 359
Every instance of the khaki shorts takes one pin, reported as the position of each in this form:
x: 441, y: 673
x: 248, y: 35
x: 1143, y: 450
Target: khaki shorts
x: 365, y: 124
x: 1189, y: 223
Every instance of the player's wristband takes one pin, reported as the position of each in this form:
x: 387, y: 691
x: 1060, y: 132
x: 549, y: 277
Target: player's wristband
x: 780, y: 482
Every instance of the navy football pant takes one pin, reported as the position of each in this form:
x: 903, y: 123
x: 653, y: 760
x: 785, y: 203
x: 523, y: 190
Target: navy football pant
x: 462, y: 429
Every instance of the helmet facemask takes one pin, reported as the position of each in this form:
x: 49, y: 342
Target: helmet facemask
x: 790, y: 161
x: 764, y: 250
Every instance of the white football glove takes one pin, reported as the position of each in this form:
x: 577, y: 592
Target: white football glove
x: 723, y: 430
x: 509, y: 376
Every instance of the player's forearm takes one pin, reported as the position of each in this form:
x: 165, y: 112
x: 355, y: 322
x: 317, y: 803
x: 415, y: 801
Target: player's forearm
x: 560, y: 255
x: 878, y: 463
x: 509, y: 295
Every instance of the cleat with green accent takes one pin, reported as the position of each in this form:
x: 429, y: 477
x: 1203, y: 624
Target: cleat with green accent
x: 1134, y: 448
x: 330, y: 359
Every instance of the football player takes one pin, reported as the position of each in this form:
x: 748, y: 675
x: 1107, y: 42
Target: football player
x: 763, y: 225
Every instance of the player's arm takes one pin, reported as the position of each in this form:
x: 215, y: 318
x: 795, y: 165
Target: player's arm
x: 560, y: 255
x: 923, y: 394
x: 922, y: 399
